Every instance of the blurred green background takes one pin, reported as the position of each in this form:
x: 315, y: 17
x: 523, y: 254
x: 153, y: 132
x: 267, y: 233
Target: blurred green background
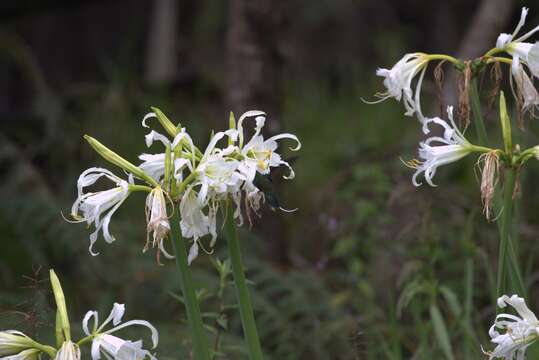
x: 353, y: 274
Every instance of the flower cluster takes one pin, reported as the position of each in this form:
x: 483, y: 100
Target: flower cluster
x: 15, y: 345
x: 453, y: 146
x: 525, y: 55
x: 200, y: 180
x: 518, y: 332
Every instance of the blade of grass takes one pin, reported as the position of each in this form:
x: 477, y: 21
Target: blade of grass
x: 477, y: 113
x: 440, y: 330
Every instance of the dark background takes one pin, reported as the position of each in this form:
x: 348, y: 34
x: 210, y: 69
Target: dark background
x: 352, y: 274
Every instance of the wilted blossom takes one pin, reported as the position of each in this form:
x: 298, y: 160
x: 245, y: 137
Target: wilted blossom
x: 523, y: 88
x: 158, y: 225
x: 68, y: 351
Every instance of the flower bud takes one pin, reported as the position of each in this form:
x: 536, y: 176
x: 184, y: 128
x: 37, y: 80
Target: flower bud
x: 165, y: 122
x: 119, y: 161
x: 13, y: 342
x: 29, y: 354
x: 506, y: 126
x: 62, y: 321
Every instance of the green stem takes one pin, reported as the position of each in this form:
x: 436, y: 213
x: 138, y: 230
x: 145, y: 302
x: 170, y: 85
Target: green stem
x: 196, y: 327
x: 507, y: 259
x: 49, y: 350
x: 477, y: 113
x: 246, y: 309
x: 492, y: 52
x: 443, y: 57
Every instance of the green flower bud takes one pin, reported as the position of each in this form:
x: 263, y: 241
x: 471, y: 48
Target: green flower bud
x: 13, y: 342
x: 119, y: 161
x: 62, y: 320
x: 169, y: 127
x: 506, y: 126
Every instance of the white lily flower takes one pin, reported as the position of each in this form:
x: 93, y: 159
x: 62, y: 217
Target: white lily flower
x: 99, y: 207
x: 520, y: 332
x: 194, y: 223
x: 525, y: 90
x: 398, y: 81
x: 518, y: 48
x: 112, y: 346
x: 68, y: 351
x: 13, y: 342
x: 216, y: 171
x: 157, y: 221
x: 154, y: 164
x: 260, y: 155
x: 453, y: 148
x: 28, y: 354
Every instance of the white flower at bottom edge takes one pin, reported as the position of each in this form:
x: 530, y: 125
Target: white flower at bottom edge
x: 157, y: 221
x: 520, y: 332
x: 113, y: 346
x: 99, y: 207
x: 528, y: 52
x: 28, y: 354
x: 453, y: 148
x: 68, y: 351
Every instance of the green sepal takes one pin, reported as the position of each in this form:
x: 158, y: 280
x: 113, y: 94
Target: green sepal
x: 165, y: 122
x: 119, y: 161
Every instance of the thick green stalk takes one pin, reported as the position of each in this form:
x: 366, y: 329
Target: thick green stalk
x: 201, y: 348
x: 477, y: 113
x: 244, y: 300
x: 507, y: 259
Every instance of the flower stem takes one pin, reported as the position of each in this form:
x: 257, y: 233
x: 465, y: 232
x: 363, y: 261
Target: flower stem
x: 443, y: 57
x: 492, y: 52
x: 196, y: 327
x: 477, y: 113
x: 246, y: 309
x: 507, y: 259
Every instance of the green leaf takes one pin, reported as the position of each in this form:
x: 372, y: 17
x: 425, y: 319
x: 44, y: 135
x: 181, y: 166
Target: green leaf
x: 452, y: 301
x: 440, y: 330
x: 410, y: 291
